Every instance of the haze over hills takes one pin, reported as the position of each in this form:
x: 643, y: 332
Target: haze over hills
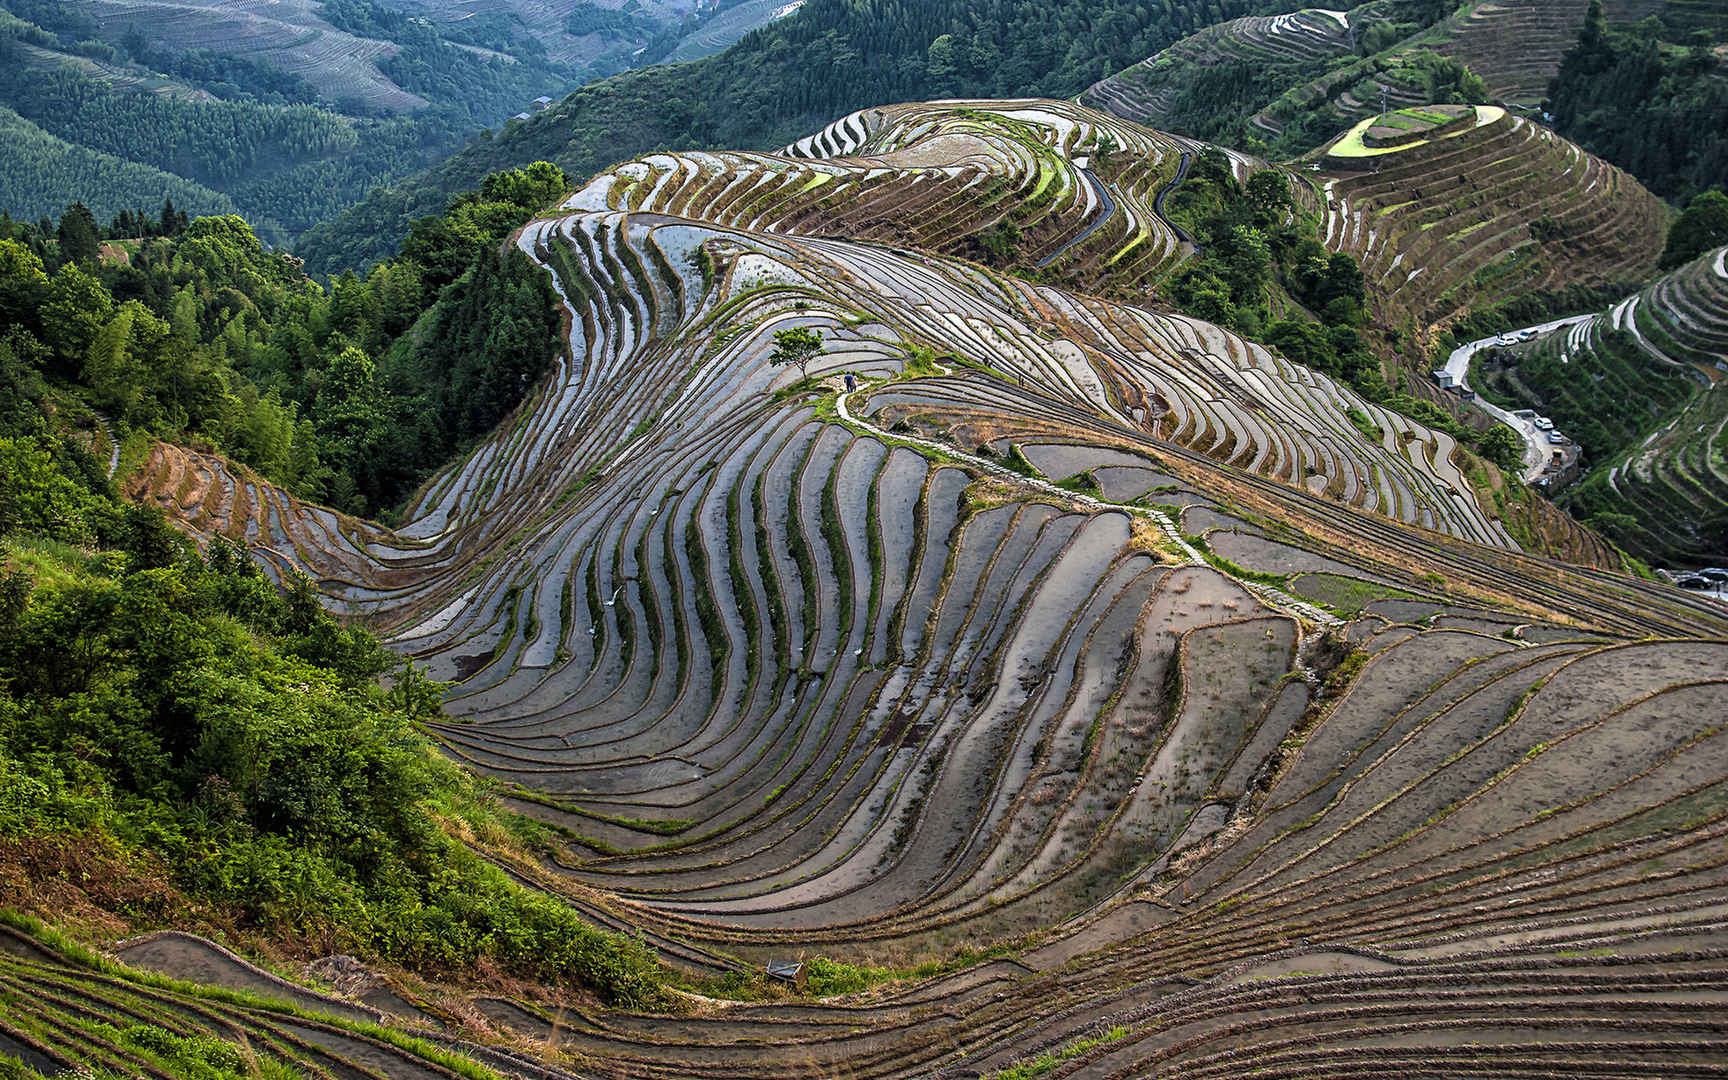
x: 292, y: 111
x: 972, y: 587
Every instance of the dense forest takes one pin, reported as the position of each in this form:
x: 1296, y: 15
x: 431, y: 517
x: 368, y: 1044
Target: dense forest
x: 258, y: 141
x: 350, y: 395
x: 184, y: 743
x: 217, y: 144
x: 41, y: 169
x: 1656, y: 107
x: 787, y: 79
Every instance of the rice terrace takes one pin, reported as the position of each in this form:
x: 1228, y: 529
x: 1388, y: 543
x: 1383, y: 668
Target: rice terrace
x: 1033, y: 680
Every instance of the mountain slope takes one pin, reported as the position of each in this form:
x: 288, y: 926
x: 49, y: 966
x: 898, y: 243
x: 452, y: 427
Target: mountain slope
x: 1641, y: 386
x: 1491, y: 206
x: 781, y: 82
x: 1073, y: 630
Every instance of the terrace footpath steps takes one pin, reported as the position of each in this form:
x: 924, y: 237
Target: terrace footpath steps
x: 877, y: 688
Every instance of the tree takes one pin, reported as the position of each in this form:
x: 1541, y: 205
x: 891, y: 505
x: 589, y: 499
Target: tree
x: 116, y: 367
x: 80, y: 241
x: 532, y: 188
x: 1306, y: 343
x: 1214, y: 165
x: 22, y: 283
x: 1344, y: 277
x: 350, y: 408
x: 76, y: 307
x: 1269, y: 195
x: 798, y: 345
x: 1503, y: 447
x: 1702, y: 226
x: 1103, y: 145
x: 35, y: 497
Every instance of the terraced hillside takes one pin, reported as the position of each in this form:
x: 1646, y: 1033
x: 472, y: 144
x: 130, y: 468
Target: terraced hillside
x: 1299, y: 76
x: 1042, y: 188
x: 1515, y: 46
x: 1289, y: 44
x: 1478, y: 212
x: 1197, y: 688
x: 67, y: 1010
x: 1641, y: 386
x: 289, y: 36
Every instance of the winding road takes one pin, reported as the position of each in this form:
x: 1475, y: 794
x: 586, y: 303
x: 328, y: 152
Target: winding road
x: 1109, y: 211
x: 1536, y: 446
x: 1158, y: 202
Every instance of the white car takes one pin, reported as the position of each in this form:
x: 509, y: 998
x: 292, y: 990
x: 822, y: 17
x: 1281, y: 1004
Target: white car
x: 1543, y: 423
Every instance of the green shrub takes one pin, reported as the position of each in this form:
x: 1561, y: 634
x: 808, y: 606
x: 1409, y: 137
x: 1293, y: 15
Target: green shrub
x: 182, y: 704
x: 825, y: 977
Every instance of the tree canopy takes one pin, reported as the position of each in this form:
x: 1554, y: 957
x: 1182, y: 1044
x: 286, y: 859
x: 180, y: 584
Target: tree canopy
x: 201, y: 333
x: 796, y: 346
x: 1702, y: 226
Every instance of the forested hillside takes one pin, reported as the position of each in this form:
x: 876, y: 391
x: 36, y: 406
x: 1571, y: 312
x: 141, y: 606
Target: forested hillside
x: 41, y: 169
x: 184, y: 743
x: 231, y: 133
x: 786, y: 79
x: 1652, y: 99
x: 349, y: 396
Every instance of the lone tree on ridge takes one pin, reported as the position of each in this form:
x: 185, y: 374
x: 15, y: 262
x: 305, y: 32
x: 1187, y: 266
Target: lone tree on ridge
x: 798, y: 345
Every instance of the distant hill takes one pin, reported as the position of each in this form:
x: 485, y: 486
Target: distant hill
x: 294, y: 110
x: 783, y: 81
x: 278, y: 108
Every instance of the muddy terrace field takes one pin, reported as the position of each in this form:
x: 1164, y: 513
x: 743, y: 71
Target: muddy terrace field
x: 1093, y: 637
